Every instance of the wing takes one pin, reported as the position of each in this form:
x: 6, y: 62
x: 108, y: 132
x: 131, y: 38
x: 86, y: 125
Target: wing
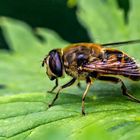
x: 127, y: 68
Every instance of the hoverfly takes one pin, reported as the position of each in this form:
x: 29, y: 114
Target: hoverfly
x: 89, y: 61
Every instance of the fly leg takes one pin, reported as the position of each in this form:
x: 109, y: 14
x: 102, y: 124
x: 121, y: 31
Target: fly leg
x: 56, y: 85
x: 79, y: 85
x: 88, y: 81
x: 62, y: 87
x: 123, y: 87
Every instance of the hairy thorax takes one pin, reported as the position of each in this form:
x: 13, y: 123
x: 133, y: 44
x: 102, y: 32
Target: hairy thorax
x: 75, y: 57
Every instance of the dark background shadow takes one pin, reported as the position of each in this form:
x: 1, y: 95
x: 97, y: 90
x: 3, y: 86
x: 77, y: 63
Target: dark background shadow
x: 53, y: 14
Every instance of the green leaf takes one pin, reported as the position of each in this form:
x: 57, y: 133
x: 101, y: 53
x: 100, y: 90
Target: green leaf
x: 24, y: 112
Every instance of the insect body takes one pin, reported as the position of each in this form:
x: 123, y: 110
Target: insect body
x: 89, y: 61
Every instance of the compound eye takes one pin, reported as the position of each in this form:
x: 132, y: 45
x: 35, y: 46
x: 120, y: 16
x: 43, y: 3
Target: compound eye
x: 55, y: 64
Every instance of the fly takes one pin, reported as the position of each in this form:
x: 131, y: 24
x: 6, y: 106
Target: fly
x: 90, y: 62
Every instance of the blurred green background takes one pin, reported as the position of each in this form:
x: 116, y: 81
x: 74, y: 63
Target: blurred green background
x: 58, y: 15
x: 28, y: 31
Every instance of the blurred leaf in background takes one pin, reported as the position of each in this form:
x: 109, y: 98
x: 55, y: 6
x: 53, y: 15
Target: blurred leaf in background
x: 24, y: 112
x: 53, y: 14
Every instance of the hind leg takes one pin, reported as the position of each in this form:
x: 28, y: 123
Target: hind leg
x: 123, y: 87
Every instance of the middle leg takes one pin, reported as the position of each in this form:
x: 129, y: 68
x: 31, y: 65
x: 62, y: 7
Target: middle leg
x: 88, y: 81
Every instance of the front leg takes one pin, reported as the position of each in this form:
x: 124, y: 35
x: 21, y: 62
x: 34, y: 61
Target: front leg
x: 62, y: 87
x: 56, y: 85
